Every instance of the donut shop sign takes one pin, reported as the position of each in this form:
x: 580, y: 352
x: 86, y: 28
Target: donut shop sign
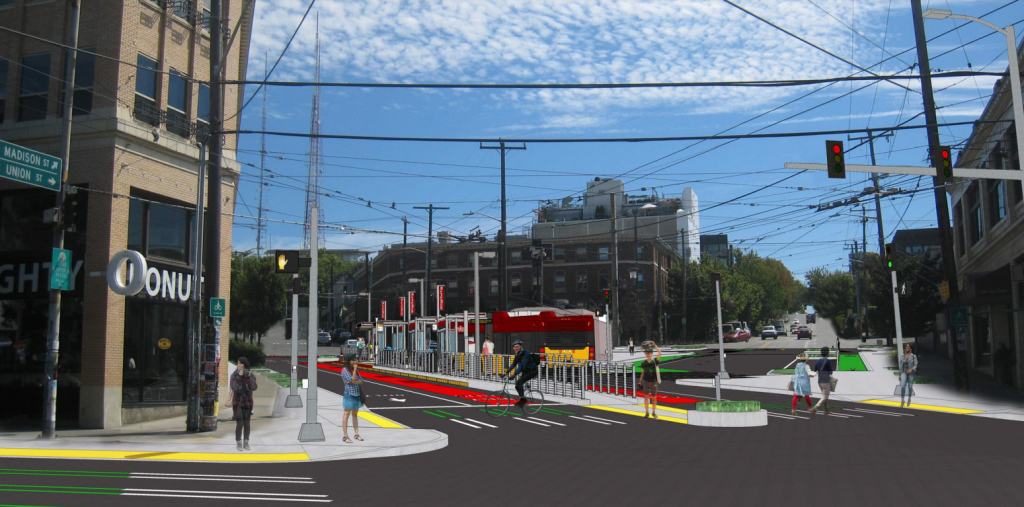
x: 158, y: 283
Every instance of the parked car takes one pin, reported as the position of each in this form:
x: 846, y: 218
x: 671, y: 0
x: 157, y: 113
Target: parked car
x: 780, y: 328
x: 769, y: 332
x: 803, y: 331
x: 339, y: 335
x: 351, y: 346
x: 736, y: 333
x: 323, y: 338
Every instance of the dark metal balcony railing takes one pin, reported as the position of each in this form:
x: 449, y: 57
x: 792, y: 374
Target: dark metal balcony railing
x: 178, y: 124
x: 147, y: 112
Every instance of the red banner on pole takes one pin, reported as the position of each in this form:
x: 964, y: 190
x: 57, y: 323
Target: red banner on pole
x: 440, y: 298
x: 412, y: 304
x: 383, y: 310
x: 401, y: 307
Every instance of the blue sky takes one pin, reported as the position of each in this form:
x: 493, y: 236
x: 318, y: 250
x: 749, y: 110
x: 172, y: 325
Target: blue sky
x: 602, y: 41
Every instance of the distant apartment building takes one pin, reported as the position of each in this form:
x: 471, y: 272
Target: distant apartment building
x: 922, y: 242
x: 716, y: 246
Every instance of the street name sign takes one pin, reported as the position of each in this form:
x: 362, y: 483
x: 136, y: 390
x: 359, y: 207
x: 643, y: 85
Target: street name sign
x: 60, y: 269
x: 218, y: 321
x: 218, y: 307
x: 28, y: 166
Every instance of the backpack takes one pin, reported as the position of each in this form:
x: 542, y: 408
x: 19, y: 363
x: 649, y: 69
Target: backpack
x: 534, y: 361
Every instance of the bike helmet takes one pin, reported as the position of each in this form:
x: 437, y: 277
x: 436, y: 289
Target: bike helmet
x: 517, y: 342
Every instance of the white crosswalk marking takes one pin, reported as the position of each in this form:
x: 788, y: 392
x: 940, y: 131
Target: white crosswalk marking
x: 465, y: 423
x: 880, y: 412
x: 589, y: 420
x: 545, y: 420
x: 482, y: 423
x: 605, y: 420
x: 532, y: 422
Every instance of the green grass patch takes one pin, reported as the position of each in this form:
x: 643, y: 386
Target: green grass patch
x: 783, y: 371
x: 663, y: 359
x: 728, y: 406
x: 851, y: 362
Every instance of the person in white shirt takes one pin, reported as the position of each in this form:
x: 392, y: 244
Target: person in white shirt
x: 488, y: 349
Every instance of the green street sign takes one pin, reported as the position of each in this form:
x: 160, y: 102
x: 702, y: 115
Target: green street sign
x: 958, y: 316
x: 961, y: 329
x: 217, y: 321
x: 218, y: 307
x: 60, y: 269
x: 28, y: 166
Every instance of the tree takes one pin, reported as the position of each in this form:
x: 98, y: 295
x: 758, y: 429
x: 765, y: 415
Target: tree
x: 922, y: 276
x: 832, y: 293
x: 257, y: 295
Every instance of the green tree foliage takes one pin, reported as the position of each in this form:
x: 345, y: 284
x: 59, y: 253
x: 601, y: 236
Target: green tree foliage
x: 833, y: 294
x: 257, y: 295
x: 922, y: 276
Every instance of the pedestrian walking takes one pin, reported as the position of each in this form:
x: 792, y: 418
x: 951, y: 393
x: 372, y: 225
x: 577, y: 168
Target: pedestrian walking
x: 650, y: 379
x: 908, y: 371
x: 352, y: 399
x: 631, y: 348
x: 488, y: 351
x: 801, y: 383
x: 359, y: 347
x: 241, y: 386
x: 823, y: 370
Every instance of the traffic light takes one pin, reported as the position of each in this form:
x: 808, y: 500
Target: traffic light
x: 890, y: 256
x: 607, y: 296
x: 286, y: 261
x: 74, y: 210
x: 943, y: 161
x: 836, y: 159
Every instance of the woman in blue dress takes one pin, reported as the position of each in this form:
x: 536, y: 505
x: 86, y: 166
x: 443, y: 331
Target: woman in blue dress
x: 351, y: 399
x: 801, y: 382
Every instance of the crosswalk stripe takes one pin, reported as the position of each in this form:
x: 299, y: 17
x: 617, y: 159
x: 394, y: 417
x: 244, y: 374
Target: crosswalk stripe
x: 880, y: 412
x: 606, y: 420
x: 465, y: 423
x: 534, y: 422
x: 545, y: 420
x: 589, y: 420
x: 483, y: 423
x: 780, y: 416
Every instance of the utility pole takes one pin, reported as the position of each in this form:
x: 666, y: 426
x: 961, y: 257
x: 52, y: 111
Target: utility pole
x: 430, y: 241
x: 53, y: 331
x: 941, y: 203
x: 615, y: 274
x: 405, y: 244
x: 686, y: 267
x: 878, y: 190
x: 856, y: 270
x: 311, y: 430
x: 502, y: 246
x: 369, y: 294
x: 263, y: 159
x: 216, y: 149
x: 864, y: 245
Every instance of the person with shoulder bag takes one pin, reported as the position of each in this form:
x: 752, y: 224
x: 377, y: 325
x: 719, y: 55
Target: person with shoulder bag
x: 650, y: 379
x: 908, y: 372
x: 800, y: 384
x: 827, y: 383
x: 352, y: 399
x: 241, y: 386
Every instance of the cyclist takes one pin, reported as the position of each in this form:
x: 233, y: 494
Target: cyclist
x: 523, y: 363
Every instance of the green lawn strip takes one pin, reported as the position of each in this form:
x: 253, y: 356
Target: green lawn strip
x: 449, y: 414
x: 851, y: 362
x: 783, y: 371
x: 663, y: 359
x: 435, y: 415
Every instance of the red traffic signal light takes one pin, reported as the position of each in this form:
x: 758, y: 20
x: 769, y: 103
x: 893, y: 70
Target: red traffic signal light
x: 943, y: 165
x: 836, y: 163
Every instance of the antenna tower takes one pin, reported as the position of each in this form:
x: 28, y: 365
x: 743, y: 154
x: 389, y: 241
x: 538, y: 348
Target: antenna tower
x: 263, y: 159
x: 316, y: 159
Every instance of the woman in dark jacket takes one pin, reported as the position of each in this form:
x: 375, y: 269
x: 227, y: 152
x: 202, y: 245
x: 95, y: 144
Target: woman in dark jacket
x: 242, y: 385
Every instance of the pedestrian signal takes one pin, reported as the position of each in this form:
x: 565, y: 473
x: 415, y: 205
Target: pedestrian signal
x: 286, y: 261
x: 836, y: 159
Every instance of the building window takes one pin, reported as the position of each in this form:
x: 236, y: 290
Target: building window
x: 203, y: 112
x: 183, y: 9
x: 177, y: 105
x: 453, y: 260
x: 977, y: 227
x: 581, y: 254
x: 155, y: 361
x: 453, y: 286
x: 996, y: 201
x: 517, y: 258
x: 21, y: 227
x: 581, y: 281
x: 639, y: 253
x: 602, y: 253
x: 433, y: 263
x: 401, y: 263
x: 160, y: 231
x: 517, y: 283
x: 472, y: 287
x: 145, y: 91
x: 559, y: 254
x: 602, y: 279
x: 560, y: 281
x: 536, y: 280
x: 33, y: 98
x: 958, y: 218
x: 85, y: 76
x: 206, y: 18
x: 494, y: 285
x: 640, y: 280
x: 3, y: 88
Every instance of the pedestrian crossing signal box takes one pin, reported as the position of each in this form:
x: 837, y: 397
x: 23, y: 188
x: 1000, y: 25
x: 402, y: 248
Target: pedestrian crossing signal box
x: 836, y: 159
x: 289, y: 262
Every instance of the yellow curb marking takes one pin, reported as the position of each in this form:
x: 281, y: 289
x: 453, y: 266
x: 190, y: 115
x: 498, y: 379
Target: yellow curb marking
x: 635, y: 413
x: 168, y: 456
x: 663, y: 407
x: 935, y: 408
x: 380, y: 421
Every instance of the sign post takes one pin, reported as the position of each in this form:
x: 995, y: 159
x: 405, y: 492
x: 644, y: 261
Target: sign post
x: 30, y: 167
x: 60, y: 269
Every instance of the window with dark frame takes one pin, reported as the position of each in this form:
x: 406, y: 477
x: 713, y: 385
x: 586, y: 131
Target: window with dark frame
x: 453, y: 260
x: 472, y: 288
x: 160, y: 231
x: 581, y: 281
x: 203, y: 112
x: 996, y: 201
x: 177, y: 104
x: 603, y: 279
x: 153, y: 374
x: 145, y: 91
x: 3, y: 88
x: 85, y: 77
x: 33, y: 95
x: 602, y: 253
x: 183, y: 9
x: 517, y: 283
x: 639, y: 253
x: 494, y: 285
x: 958, y: 222
x: 975, y: 215
x: 516, y: 258
x: 560, y: 281
x: 559, y: 254
x: 640, y: 280
x: 453, y: 286
x: 581, y: 254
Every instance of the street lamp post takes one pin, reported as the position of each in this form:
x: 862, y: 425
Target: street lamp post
x: 1011, y: 54
x: 476, y: 293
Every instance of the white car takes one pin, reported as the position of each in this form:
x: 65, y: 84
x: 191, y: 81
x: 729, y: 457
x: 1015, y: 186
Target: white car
x: 769, y: 332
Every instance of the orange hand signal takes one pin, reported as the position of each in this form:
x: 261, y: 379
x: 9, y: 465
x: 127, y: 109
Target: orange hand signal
x: 282, y: 261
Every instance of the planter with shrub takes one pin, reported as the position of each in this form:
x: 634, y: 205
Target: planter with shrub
x: 728, y: 414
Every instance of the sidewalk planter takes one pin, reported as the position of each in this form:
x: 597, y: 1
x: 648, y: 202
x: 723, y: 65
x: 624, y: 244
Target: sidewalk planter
x: 728, y: 414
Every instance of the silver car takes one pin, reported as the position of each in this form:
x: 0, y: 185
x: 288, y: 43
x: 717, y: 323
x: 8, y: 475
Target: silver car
x: 351, y: 346
x: 323, y: 338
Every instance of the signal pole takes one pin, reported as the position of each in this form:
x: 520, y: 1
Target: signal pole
x: 502, y: 246
x: 615, y: 274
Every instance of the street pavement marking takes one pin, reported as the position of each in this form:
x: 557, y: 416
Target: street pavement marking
x: 663, y: 407
x: 465, y: 423
x: 289, y: 499
x: 590, y: 420
x: 379, y: 421
x: 780, y: 416
x: 483, y: 423
x: 847, y: 415
x: 220, y: 492
x: 408, y: 390
x: 934, y: 408
x: 545, y: 421
x: 156, y: 456
x: 880, y: 412
x: 139, y: 475
x: 635, y: 413
x: 605, y: 420
x: 533, y: 422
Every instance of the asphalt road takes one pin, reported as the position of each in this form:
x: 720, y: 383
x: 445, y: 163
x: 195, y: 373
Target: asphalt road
x: 861, y: 455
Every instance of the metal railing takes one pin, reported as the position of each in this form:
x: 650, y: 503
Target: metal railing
x: 609, y: 377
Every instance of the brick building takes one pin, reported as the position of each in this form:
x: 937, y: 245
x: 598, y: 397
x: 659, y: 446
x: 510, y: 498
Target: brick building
x: 135, y: 152
x: 575, y: 276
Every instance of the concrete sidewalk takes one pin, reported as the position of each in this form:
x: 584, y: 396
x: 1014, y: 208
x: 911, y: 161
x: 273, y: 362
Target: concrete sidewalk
x: 275, y: 430
x: 878, y: 387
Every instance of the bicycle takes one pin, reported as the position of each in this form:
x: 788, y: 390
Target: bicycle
x: 499, y: 401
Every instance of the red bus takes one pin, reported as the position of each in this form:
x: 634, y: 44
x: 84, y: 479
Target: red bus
x: 551, y: 331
